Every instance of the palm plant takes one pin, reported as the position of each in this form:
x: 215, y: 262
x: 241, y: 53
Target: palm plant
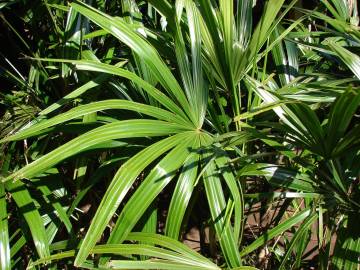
x: 195, y: 99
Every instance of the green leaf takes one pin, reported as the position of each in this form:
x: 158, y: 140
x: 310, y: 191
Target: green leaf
x: 141, y: 47
x: 121, y: 183
x: 223, y: 163
x: 261, y: 109
x: 341, y: 114
x: 260, y: 35
x: 158, y: 178
x: 169, y: 243
x: 50, y: 198
x: 74, y: 30
x: 91, y: 108
x: 116, y: 130
x: 5, y: 262
x: 227, y: 25
x: 78, y: 91
x: 303, y: 122
x: 181, y: 197
x: 280, y: 176
x: 191, y: 73
x: 350, y: 59
x: 115, y: 70
x: 216, y: 200
x: 295, y: 238
x: 279, y: 229
x: 244, y: 22
x: 347, y: 248
x: 169, y: 253
x: 155, y: 264
x: 33, y: 219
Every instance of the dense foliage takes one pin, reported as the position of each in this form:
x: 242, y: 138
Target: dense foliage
x: 126, y: 124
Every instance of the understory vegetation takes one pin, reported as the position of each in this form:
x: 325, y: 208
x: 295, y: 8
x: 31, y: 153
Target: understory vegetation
x: 128, y: 127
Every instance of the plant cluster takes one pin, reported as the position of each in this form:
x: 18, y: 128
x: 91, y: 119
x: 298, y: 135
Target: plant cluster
x: 126, y: 124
